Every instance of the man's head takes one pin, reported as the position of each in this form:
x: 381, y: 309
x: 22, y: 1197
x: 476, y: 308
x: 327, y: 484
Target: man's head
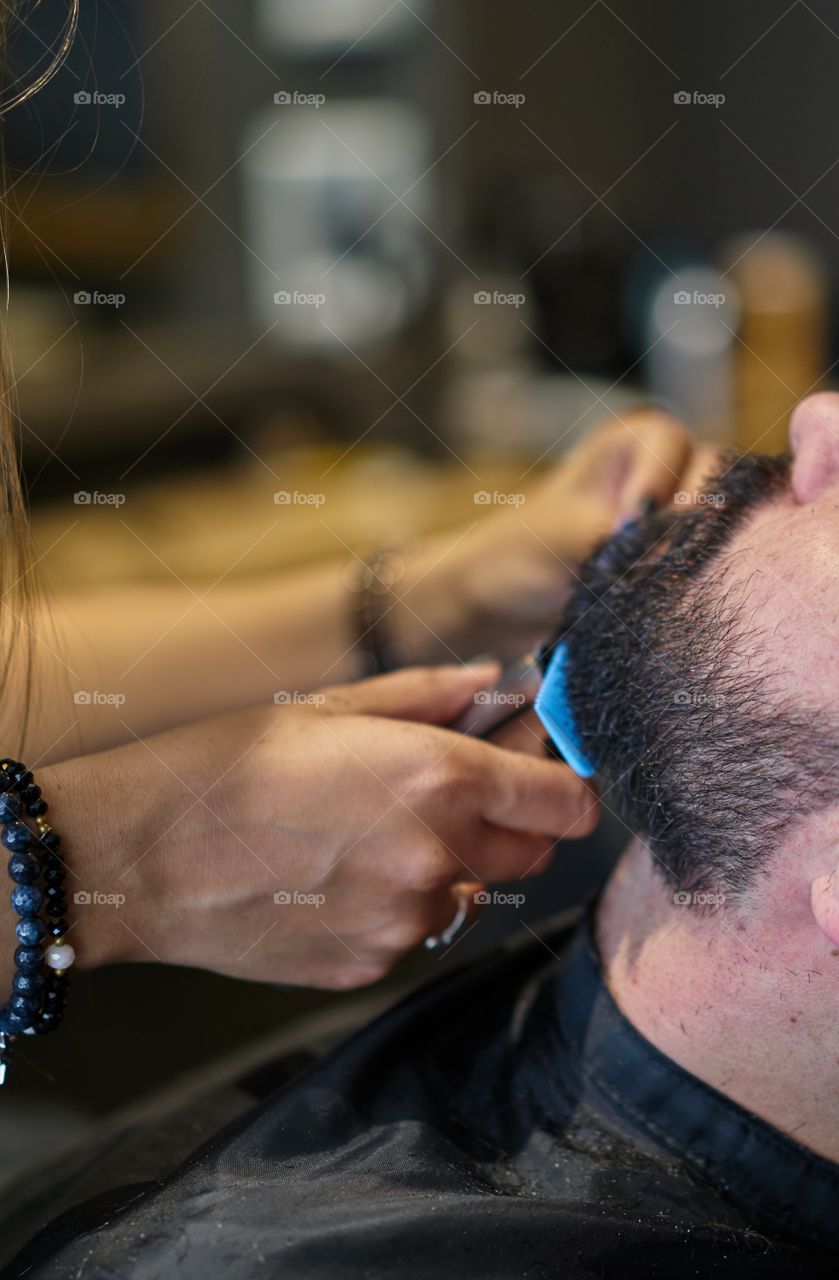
x: 704, y: 663
x: 715, y: 720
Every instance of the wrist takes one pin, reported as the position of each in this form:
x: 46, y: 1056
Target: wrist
x: 92, y: 808
x: 38, y: 870
x: 433, y: 618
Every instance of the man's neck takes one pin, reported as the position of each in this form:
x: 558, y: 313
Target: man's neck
x: 749, y: 1009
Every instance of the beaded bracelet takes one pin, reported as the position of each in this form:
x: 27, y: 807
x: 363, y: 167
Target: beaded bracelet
x: 36, y: 1005
x: 373, y: 582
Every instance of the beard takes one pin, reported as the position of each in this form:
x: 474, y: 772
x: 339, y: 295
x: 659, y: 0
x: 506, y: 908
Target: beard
x: 696, y: 750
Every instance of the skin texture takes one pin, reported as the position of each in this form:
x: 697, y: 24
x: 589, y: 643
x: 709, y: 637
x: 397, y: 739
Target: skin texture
x: 745, y: 996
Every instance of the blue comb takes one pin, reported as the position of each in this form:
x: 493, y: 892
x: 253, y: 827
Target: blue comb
x: 551, y: 706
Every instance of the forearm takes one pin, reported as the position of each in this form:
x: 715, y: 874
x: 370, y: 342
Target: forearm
x: 113, y: 665
x: 135, y: 660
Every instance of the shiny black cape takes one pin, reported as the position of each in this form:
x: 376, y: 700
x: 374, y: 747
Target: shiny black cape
x: 505, y: 1121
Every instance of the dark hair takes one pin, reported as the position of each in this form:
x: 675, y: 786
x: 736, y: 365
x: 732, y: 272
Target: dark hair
x: 695, y: 749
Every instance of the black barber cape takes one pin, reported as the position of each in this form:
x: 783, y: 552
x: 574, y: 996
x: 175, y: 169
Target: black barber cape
x: 505, y: 1121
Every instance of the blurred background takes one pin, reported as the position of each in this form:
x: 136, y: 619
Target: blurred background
x: 400, y: 255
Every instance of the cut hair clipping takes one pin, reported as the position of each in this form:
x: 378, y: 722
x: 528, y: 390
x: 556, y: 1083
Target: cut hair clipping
x: 554, y: 711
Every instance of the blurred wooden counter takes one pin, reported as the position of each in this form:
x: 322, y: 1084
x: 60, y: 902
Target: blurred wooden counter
x: 198, y: 527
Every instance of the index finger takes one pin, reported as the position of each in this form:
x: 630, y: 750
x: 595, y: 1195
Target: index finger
x: 704, y: 465
x: 522, y: 733
x: 525, y: 793
x: 661, y: 452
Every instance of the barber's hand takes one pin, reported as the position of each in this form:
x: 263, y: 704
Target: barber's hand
x: 307, y: 843
x: 501, y: 587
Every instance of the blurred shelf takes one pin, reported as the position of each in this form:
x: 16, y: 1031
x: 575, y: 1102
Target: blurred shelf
x: 100, y: 394
x: 89, y: 227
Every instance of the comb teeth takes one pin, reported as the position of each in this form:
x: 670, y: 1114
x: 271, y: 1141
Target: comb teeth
x: 551, y: 706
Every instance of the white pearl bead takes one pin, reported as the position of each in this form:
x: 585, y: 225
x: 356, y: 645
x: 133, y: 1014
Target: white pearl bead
x: 60, y: 957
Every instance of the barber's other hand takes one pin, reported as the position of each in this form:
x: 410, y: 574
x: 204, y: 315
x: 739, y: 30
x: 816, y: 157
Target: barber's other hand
x: 311, y: 843
x: 501, y: 588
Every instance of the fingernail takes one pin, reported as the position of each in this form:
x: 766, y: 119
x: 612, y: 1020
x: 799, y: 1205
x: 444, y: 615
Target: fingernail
x: 524, y: 670
x: 486, y: 671
x: 484, y: 665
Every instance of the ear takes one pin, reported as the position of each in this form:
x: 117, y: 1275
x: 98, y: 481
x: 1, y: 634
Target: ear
x: 814, y: 437
x: 824, y: 901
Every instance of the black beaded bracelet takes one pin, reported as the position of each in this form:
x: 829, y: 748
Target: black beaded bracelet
x: 36, y: 1005
x: 373, y: 582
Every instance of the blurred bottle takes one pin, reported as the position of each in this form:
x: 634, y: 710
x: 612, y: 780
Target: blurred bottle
x: 689, y: 360
x: 336, y: 255
x: 346, y: 28
x: 782, y: 352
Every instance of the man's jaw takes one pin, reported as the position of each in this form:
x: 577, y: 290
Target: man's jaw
x: 741, y: 994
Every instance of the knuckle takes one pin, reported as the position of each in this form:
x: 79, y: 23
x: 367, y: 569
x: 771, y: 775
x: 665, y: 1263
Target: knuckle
x: 427, y: 867
x: 453, y: 780
x: 540, y: 856
x: 583, y: 816
x: 588, y: 819
x: 334, y: 980
x: 404, y: 934
x: 365, y: 974
x: 335, y: 698
x: 654, y: 420
x: 434, y: 677
x: 361, y: 973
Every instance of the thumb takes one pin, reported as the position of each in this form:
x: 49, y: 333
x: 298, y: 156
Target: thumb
x: 659, y: 450
x: 430, y: 695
